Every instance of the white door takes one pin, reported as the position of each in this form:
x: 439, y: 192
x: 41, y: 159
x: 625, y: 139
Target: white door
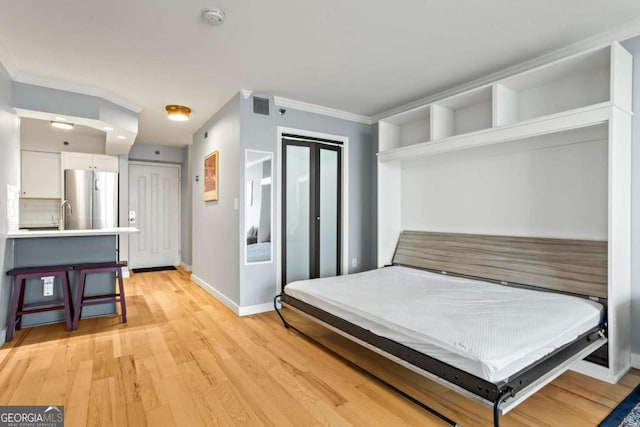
x: 154, y: 208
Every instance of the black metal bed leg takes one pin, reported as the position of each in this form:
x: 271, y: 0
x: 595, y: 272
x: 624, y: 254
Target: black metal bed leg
x: 276, y: 300
x: 496, y: 406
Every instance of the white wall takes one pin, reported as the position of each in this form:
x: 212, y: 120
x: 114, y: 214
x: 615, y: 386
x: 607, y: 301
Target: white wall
x: 216, y: 224
x: 9, y: 174
x: 534, y: 190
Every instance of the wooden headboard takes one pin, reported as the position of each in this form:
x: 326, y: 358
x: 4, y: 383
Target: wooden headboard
x: 574, y: 266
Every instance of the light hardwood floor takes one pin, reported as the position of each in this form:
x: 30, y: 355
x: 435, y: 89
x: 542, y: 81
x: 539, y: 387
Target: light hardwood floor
x: 185, y: 359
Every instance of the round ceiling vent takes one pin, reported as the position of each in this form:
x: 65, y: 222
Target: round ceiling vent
x: 213, y: 16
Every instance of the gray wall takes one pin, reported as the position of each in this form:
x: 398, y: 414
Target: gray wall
x: 174, y: 155
x: 9, y: 174
x: 633, y: 46
x: 216, y: 223
x: 258, y: 281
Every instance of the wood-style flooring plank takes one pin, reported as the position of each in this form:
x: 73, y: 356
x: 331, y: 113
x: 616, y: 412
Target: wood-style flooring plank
x: 184, y: 359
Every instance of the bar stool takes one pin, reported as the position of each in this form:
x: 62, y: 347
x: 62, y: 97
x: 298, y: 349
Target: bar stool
x: 82, y: 300
x: 18, y: 307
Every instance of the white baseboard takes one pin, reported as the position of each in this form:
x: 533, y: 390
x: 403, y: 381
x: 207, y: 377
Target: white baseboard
x: 216, y: 294
x: 3, y: 331
x: 125, y: 273
x: 186, y: 267
x: 635, y: 360
x: 239, y: 311
x: 255, y: 309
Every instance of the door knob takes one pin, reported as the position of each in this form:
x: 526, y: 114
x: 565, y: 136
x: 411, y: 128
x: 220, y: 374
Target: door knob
x: 132, y: 217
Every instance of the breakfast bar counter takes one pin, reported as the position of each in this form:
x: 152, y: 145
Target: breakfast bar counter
x: 66, y: 247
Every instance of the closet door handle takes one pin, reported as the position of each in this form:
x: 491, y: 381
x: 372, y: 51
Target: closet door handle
x: 317, y: 218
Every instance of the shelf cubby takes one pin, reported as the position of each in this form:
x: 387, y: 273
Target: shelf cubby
x: 565, y: 85
x: 408, y: 128
x: 460, y: 114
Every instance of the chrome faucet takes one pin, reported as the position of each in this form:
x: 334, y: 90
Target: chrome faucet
x: 63, y: 213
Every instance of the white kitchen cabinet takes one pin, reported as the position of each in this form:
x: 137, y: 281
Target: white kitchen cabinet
x: 105, y: 163
x: 40, y: 175
x: 87, y: 161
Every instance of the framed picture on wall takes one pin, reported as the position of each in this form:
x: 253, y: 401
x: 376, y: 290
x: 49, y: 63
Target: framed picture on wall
x: 211, y: 177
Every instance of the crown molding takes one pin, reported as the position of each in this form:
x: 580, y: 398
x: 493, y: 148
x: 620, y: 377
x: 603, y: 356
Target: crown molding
x: 76, y: 88
x: 620, y: 33
x: 318, y: 109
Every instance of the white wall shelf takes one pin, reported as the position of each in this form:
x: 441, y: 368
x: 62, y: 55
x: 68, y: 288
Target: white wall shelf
x: 573, y: 115
x: 574, y: 119
x: 461, y: 114
x: 406, y: 129
x: 565, y: 88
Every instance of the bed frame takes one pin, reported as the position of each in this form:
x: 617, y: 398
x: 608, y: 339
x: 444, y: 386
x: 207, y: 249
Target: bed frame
x: 576, y: 267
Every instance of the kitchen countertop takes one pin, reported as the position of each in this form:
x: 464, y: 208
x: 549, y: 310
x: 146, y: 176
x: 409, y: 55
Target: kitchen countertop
x: 25, y: 234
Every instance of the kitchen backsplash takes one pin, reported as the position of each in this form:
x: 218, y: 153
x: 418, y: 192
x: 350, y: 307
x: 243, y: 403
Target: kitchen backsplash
x: 13, y: 195
x: 39, y: 213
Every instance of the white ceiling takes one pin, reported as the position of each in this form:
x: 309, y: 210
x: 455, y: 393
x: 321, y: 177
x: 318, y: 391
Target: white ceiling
x: 361, y: 56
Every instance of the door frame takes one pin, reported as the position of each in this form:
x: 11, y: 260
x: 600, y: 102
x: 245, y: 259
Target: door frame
x: 159, y: 164
x: 344, y: 247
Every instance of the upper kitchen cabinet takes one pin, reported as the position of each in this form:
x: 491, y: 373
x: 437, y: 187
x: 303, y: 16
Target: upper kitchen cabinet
x: 40, y: 176
x: 86, y: 161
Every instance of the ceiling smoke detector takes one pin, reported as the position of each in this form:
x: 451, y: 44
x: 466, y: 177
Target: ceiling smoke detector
x: 213, y: 16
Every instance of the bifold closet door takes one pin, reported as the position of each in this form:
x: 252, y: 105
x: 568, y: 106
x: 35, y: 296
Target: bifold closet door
x: 328, y: 219
x: 311, y: 210
x: 297, y: 211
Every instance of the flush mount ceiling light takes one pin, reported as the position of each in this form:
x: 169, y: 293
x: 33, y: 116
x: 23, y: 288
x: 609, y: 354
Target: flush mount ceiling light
x: 213, y: 16
x: 60, y: 125
x: 178, y: 113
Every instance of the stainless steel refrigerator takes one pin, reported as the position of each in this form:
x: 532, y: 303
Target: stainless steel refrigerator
x: 92, y: 198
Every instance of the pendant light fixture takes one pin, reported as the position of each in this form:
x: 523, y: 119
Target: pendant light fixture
x: 178, y: 113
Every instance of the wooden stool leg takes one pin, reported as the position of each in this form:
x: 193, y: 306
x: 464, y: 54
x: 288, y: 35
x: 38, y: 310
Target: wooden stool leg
x: 15, y: 300
x: 64, y: 284
x: 79, y: 297
x: 123, y: 304
x: 23, y: 285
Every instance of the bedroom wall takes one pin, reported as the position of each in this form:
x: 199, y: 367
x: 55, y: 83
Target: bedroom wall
x: 9, y: 175
x: 215, y: 261
x: 633, y: 46
x: 260, y: 133
x: 528, y: 190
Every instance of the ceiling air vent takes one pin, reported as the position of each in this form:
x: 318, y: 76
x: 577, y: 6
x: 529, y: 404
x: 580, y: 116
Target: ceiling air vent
x: 261, y: 106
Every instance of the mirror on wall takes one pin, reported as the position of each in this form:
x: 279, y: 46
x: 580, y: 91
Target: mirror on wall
x: 258, y: 221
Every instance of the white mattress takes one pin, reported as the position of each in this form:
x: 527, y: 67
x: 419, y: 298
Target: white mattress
x: 488, y: 330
